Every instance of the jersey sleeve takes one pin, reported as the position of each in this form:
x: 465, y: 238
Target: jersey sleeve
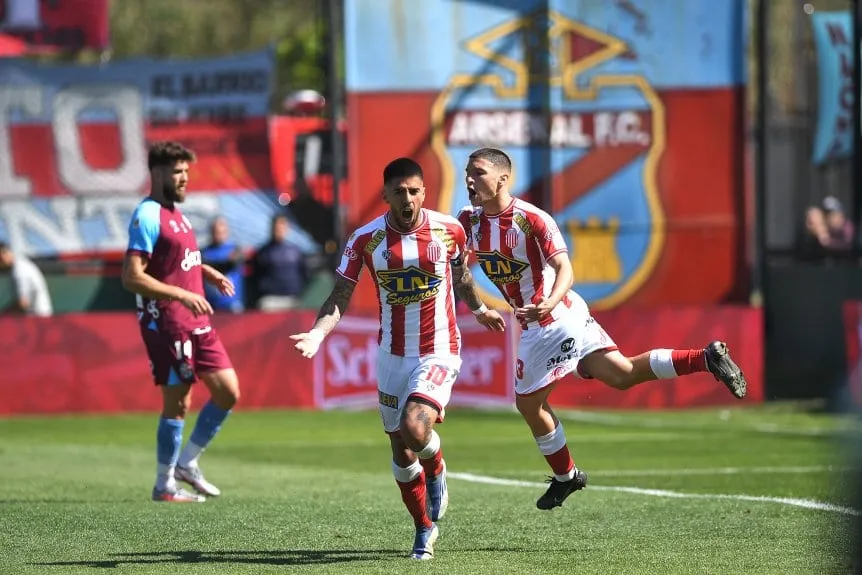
x: 144, y: 229
x: 548, y: 236
x: 464, y: 220
x: 351, y: 258
x: 459, y: 247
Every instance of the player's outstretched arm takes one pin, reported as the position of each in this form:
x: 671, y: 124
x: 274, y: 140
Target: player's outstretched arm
x: 328, y: 317
x: 462, y: 284
x: 136, y: 280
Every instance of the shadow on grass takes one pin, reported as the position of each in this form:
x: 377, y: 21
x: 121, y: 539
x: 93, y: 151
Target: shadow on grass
x: 285, y: 557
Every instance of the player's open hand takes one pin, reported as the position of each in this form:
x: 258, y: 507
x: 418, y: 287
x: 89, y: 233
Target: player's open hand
x: 225, y: 287
x: 197, y: 303
x: 308, y: 343
x: 492, y: 320
x: 534, y: 311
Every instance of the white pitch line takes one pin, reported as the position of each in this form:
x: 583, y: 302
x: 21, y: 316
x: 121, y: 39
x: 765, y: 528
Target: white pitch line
x: 719, y: 471
x: 767, y: 428
x: 804, y: 503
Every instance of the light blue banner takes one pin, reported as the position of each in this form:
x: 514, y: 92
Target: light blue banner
x: 833, y: 40
x: 672, y: 43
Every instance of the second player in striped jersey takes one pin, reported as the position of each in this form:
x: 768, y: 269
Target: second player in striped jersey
x: 521, y: 250
x: 416, y: 259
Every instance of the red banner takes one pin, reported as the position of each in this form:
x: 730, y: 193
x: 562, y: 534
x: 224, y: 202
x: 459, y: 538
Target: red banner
x: 96, y: 362
x: 853, y: 340
x: 40, y: 25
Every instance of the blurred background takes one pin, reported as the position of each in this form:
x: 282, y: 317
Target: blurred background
x: 698, y: 155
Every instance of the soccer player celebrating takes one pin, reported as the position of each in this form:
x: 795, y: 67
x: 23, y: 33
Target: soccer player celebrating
x: 558, y: 334
x: 415, y: 256
x: 163, y: 268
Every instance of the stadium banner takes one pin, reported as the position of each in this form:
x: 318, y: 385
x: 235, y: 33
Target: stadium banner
x: 96, y: 362
x: 345, y: 370
x: 853, y: 341
x: 833, y: 40
x: 625, y: 120
x: 73, y: 147
x: 28, y: 26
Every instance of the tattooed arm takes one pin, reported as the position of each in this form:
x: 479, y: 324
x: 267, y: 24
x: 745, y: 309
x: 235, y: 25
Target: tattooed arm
x: 462, y: 284
x: 330, y: 313
x: 335, y: 305
x: 465, y: 289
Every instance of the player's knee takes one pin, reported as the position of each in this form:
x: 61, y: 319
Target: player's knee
x: 416, y: 425
x: 175, y: 408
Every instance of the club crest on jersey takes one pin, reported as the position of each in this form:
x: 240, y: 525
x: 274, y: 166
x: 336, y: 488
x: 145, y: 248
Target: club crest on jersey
x: 378, y: 237
x: 408, y: 285
x: 607, y: 130
x: 501, y: 269
x: 387, y: 254
x: 511, y: 238
x: 433, y: 251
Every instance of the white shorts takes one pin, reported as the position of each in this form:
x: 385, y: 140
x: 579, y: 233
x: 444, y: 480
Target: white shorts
x: 546, y: 354
x: 429, y: 377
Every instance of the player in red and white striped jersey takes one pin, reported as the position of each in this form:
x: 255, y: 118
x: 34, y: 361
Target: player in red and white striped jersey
x: 416, y: 258
x: 521, y: 250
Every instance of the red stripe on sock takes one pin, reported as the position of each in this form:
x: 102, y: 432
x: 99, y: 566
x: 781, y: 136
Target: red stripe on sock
x: 561, y: 461
x: 413, y: 496
x: 433, y: 466
x: 686, y: 361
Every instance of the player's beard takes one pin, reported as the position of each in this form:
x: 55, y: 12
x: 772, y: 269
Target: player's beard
x: 172, y: 193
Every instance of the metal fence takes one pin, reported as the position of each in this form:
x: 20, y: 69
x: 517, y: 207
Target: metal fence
x: 792, y: 182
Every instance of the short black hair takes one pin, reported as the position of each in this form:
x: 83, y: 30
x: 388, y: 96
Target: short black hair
x: 4, y: 247
x: 167, y: 154
x: 400, y: 169
x: 497, y: 157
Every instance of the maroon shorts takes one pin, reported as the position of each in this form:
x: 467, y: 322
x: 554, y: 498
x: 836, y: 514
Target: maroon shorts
x: 178, y: 357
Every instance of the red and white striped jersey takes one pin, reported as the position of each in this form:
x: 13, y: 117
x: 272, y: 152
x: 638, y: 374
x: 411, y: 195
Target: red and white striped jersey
x: 513, y: 249
x: 414, y: 281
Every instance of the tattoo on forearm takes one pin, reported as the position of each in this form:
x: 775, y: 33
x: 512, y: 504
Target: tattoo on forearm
x: 464, y: 286
x: 335, y: 306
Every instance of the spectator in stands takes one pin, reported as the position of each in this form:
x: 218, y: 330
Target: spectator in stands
x: 815, y: 235
x: 279, y: 270
x: 31, y: 291
x: 226, y: 257
x: 839, y: 229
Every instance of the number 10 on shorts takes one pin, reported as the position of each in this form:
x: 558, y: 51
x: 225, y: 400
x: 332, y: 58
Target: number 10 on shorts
x: 437, y: 374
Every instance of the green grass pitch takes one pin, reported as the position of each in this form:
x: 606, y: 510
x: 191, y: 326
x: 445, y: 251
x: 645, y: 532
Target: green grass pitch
x: 312, y: 492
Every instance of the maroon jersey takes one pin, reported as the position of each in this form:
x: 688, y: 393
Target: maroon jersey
x: 165, y: 237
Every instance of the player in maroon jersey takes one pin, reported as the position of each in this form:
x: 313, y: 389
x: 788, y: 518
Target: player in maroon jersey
x: 521, y: 250
x: 163, y: 268
x: 414, y: 256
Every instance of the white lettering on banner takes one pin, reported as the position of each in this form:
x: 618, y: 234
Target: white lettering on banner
x: 22, y: 15
x: 477, y: 366
x: 350, y: 365
x: 60, y: 231
x: 566, y: 130
x: 127, y: 103
x: 75, y: 224
x: 27, y: 99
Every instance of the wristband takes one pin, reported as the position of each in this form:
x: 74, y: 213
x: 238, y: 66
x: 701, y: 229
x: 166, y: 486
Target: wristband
x: 482, y: 309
